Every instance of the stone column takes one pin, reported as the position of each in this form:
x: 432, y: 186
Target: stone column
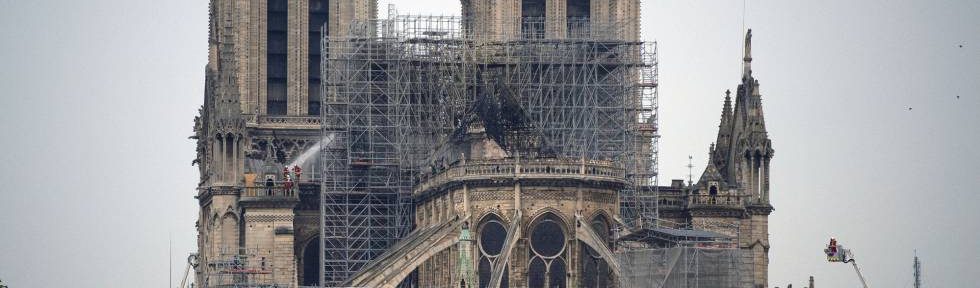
x: 746, y: 177
x: 466, y: 204
x: 765, y: 181
x: 217, y: 148
x: 754, y: 177
x: 240, y: 163
x: 555, y: 19
x: 237, y: 162
x: 260, y: 29
x: 229, y: 155
x: 303, y: 64
x: 294, y: 57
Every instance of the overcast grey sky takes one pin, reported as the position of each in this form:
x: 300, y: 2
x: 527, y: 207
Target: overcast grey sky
x: 98, y: 99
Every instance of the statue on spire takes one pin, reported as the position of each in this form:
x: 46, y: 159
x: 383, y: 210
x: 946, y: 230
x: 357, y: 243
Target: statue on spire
x: 747, y: 60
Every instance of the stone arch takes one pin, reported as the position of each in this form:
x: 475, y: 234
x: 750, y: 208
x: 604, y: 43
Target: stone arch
x: 594, y: 270
x: 547, y: 210
x: 213, y: 222
x: 491, y: 231
x: 229, y: 211
x: 492, y: 211
x: 604, y: 217
x: 310, y: 262
x: 600, y: 213
x: 548, y: 235
x: 229, y: 236
x: 390, y: 269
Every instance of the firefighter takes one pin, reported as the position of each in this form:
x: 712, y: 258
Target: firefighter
x: 298, y: 171
x: 288, y: 183
x: 832, y: 251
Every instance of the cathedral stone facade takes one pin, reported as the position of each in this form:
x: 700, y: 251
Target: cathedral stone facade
x: 489, y: 219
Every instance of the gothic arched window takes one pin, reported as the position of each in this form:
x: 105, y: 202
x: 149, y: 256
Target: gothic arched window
x: 311, y: 263
x: 595, y: 270
x: 492, y: 233
x: 546, y: 268
x: 229, y: 234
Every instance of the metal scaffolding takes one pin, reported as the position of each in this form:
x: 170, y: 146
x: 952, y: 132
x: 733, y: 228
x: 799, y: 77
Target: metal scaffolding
x: 240, y: 268
x: 680, y: 267
x: 402, y: 93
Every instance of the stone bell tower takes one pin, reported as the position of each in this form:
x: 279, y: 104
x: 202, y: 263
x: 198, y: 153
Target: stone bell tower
x: 260, y: 114
x: 549, y: 19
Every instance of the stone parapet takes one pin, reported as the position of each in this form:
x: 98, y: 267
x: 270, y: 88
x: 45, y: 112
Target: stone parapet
x: 269, y: 197
x: 520, y: 169
x: 283, y: 122
x: 716, y: 201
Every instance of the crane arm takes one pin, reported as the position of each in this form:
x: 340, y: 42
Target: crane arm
x: 858, y: 270
x: 183, y: 280
x: 191, y: 262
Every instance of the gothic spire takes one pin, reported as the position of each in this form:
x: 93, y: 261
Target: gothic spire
x: 724, y: 130
x: 742, y: 126
x: 760, y: 118
x: 711, y: 172
x: 726, y: 111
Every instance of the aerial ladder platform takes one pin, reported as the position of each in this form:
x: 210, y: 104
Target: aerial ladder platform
x: 836, y: 253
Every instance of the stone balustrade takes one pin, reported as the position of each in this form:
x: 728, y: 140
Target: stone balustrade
x: 549, y: 168
x: 270, y: 192
x: 283, y: 122
x: 671, y: 201
x: 731, y: 201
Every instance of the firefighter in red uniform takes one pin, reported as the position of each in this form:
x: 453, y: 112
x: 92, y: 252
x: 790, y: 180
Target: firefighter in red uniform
x: 297, y: 171
x: 288, y: 183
